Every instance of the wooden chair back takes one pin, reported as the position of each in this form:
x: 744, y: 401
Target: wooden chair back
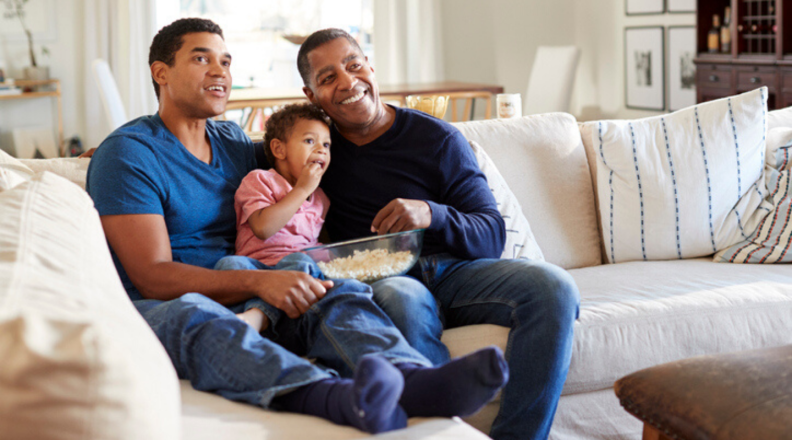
x: 467, y: 100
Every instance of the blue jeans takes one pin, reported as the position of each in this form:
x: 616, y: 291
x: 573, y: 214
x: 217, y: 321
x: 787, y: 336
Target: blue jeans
x: 218, y: 352
x: 537, y: 300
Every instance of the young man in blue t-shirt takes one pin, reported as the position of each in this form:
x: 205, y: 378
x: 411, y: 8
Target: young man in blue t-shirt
x: 397, y: 169
x: 164, y: 188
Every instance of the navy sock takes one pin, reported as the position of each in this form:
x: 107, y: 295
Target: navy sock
x: 459, y: 388
x: 369, y: 402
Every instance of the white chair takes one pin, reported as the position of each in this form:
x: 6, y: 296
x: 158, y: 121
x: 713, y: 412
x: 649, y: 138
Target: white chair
x: 552, y: 80
x: 115, y: 115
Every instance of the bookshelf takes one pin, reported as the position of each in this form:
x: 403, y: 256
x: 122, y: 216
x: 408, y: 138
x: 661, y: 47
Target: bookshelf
x: 41, y: 89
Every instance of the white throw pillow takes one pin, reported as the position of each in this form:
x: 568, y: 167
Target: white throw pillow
x: 76, y: 358
x: 520, y: 241
x: 12, y: 171
x: 682, y: 185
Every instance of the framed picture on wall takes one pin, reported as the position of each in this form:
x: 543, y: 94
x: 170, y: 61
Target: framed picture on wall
x: 644, y: 7
x: 681, y: 6
x: 681, y: 70
x: 644, y: 63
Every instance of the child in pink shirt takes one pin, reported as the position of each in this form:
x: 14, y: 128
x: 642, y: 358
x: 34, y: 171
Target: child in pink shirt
x: 281, y: 210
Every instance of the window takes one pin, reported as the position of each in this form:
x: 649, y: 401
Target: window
x: 254, y: 32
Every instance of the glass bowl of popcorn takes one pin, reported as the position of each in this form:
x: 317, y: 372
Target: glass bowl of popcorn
x: 369, y: 259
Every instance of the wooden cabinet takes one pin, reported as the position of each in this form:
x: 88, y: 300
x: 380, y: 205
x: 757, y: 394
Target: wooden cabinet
x: 786, y: 86
x: 760, y: 54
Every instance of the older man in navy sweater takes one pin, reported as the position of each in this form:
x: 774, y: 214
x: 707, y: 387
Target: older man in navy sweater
x: 397, y: 169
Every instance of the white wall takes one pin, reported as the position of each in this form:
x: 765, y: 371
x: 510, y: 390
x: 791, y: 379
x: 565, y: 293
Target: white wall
x: 599, y: 32
x: 496, y: 41
x: 65, y: 63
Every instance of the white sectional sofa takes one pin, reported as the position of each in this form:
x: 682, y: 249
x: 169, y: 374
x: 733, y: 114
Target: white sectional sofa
x: 633, y: 315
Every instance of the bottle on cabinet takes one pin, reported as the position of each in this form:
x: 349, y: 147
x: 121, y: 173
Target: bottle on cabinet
x: 713, y: 38
x: 725, y: 31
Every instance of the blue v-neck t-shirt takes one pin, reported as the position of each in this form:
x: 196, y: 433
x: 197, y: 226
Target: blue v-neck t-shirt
x: 142, y: 168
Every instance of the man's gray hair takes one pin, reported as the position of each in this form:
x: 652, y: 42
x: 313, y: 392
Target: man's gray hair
x: 315, y: 40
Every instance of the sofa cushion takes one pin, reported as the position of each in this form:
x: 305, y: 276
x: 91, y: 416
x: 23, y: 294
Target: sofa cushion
x: 12, y: 171
x: 520, y: 241
x: 209, y: 416
x: 78, y: 361
x: 542, y: 159
x: 639, y: 314
x: 772, y: 239
x: 682, y: 185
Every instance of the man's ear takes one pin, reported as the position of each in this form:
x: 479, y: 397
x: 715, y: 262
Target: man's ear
x: 159, y: 72
x: 278, y: 149
x: 310, y: 95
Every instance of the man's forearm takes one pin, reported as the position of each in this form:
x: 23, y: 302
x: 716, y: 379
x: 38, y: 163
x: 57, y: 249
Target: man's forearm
x: 169, y: 280
x: 470, y: 236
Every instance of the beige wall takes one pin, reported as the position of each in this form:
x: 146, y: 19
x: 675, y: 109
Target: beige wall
x: 599, y: 32
x: 496, y: 42
x: 65, y: 64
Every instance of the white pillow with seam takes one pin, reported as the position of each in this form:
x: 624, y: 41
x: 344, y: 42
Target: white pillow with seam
x: 78, y: 360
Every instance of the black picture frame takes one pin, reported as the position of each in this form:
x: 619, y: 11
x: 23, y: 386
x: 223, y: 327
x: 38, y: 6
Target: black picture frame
x: 661, y: 10
x: 679, y: 99
x: 652, y: 77
x: 680, y: 11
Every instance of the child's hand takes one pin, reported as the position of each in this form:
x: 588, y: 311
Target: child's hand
x: 310, y: 177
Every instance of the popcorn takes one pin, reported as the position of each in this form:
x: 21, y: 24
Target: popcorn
x: 368, y: 265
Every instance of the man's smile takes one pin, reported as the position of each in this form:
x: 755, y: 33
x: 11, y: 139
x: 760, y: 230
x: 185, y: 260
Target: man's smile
x: 217, y: 89
x: 354, y: 99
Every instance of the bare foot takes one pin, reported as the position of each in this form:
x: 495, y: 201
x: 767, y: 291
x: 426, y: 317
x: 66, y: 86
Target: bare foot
x: 255, y: 318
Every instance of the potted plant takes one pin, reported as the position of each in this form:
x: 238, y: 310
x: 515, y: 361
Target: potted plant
x: 16, y: 8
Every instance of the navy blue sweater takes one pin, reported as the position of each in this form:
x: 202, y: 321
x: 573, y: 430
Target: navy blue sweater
x: 423, y: 158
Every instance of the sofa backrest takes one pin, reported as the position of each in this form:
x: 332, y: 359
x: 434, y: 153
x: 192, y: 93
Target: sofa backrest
x: 541, y: 157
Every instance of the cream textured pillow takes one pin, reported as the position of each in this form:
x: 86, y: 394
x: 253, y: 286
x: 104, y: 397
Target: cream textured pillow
x: 682, y: 185
x: 12, y: 171
x: 520, y: 241
x: 779, y: 118
x: 76, y: 359
x: 71, y: 168
x: 542, y: 159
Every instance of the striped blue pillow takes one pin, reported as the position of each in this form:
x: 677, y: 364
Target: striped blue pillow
x: 685, y: 184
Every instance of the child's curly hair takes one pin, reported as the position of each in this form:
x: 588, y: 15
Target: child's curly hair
x: 280, y: 124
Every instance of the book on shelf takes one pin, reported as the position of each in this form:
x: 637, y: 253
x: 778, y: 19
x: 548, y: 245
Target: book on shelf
x: 10, y: 91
